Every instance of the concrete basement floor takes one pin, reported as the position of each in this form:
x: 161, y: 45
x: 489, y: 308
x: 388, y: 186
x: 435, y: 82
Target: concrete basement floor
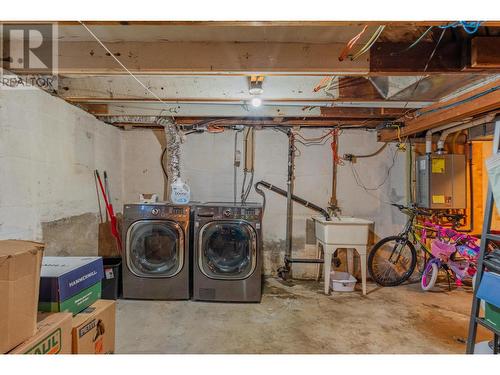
x: 301, y: 319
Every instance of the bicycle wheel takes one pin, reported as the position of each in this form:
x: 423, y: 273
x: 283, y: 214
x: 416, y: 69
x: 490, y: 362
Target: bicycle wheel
x: 430, y: 275
x: 392, y: 261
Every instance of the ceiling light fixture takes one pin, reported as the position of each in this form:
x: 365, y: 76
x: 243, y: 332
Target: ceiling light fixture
x: 256, y: 101
x: 255, y: 89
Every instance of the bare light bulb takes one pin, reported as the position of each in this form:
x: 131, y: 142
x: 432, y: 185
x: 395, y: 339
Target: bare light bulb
x: 256, y: 102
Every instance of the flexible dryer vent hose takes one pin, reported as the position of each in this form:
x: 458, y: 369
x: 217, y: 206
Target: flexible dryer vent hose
x: 295, y: 198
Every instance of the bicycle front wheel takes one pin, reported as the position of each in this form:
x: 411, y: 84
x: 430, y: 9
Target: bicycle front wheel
x: 392, y: 261
x: 430, y: 275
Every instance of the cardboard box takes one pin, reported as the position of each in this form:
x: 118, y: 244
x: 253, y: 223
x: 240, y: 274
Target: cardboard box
x: 19, y: 284
x: 53, y: 336
x: 76, y: 303
x: 94, y: 329
x: 65, y: 277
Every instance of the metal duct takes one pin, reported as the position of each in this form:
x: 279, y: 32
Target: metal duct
x: 174, y: 141
x: 129, y: 119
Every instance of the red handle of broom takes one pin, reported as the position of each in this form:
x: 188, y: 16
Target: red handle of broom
x: 112, y: 216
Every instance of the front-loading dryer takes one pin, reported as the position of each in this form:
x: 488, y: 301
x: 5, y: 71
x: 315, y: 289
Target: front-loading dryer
x: 227, y: 252
x: 156, y: 252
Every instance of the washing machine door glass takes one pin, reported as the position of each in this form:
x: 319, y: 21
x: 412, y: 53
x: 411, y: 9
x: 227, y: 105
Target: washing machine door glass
x: 155, y: 248
x: 227, y: 250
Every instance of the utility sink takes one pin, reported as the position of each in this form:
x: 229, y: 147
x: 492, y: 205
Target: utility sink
x: 342, y: 230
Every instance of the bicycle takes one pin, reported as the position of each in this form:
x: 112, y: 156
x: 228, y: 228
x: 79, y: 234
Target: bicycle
x: 393, y: 259
x: 454, y: 252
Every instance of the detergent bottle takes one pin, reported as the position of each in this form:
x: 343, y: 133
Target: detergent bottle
x: 180, y: 192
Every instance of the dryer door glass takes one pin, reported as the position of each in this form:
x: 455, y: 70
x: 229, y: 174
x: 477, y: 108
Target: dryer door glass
x: 155, y: 248
x: 228, y: 250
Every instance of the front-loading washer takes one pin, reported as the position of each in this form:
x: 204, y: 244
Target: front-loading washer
x: 227, y: 252
x: 156, y: 252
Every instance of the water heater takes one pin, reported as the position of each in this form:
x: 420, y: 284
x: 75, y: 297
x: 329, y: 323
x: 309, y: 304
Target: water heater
x: 441, y: 181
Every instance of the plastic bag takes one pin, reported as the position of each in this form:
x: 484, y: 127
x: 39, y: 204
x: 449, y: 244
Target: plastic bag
x: 493, y: 167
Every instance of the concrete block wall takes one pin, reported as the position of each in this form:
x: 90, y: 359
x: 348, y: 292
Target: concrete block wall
x: 48, y: 151
x: 207, y: 166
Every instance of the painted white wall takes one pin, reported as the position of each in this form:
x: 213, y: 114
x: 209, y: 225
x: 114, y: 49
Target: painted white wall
x: 207, y: 166
x: 48, y: 151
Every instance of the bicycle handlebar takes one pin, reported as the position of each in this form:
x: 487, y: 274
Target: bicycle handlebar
x: 414, y: 210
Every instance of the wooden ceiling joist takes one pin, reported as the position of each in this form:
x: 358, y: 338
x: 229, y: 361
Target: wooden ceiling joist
x: 206, y: 57
x: 485, y: 52
x: 266, y: 122
x: 364, y: 113
x: 256, y: 58
x: 481, y: 100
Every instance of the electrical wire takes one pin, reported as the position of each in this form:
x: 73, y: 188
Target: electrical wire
x: 454, y: 104
x: 382, y: 148
x: 414, y: 43
x: 369, y: 44
x: 125, y: 68
x: 470, y: 27
x: 360, y: 183
x: 351, y: 44
x: 425, y: 70
x: 215, y: 129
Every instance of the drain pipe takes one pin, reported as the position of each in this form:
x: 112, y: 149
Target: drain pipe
x: 289, y: 194
x: 430, y: 132
x: 463, y: 126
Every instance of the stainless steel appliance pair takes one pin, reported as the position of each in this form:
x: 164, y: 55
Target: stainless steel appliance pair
x: 210, y: 251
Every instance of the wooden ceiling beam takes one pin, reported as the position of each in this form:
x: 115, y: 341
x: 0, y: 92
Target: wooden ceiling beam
x: 362, y: 113
x: 485, y: 52
x: 449, y: 57
x: 258, y: 23
x: 206, y: 57
x: 260, y: 122
x: 481, y: 100
x: 89, y: 58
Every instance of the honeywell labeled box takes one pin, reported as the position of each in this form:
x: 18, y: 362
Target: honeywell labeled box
x: 70, y: 283
x: 53, y: 336
x: 94, y: 329
x: 19, y: 284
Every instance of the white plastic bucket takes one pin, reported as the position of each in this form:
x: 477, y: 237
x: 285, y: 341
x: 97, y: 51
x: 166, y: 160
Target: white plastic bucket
x: 342, y: 281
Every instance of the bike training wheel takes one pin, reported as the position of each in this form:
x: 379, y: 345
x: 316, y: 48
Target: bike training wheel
x: 430, y: 275
x: 392, y: 261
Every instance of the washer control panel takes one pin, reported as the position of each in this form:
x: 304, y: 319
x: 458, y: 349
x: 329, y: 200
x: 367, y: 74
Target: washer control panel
x: 156, y: 211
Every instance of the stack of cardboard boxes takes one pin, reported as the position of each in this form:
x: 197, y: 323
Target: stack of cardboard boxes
x: 66, y: 290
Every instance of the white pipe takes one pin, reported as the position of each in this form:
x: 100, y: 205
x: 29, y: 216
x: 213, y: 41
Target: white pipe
x: 430, y: 132
x: 467, y: 125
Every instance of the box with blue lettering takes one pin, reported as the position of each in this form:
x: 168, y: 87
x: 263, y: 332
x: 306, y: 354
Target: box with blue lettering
x: 70, y: 283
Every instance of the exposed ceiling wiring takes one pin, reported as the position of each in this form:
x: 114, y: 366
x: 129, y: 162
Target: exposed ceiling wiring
x: 470, y: 27
x: 369, y: 44
x: 406, y: 114
x: 414, y: 43
x: 454, y: 104
x: 351, y: 44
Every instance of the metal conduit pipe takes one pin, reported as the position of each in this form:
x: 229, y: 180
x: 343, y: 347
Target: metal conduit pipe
x: 464, y: 126
x: 293, y: 197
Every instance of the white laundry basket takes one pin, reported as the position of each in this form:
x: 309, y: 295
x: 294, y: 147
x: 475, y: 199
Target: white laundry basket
x: 342, y: 281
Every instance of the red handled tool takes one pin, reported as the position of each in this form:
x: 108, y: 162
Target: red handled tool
x: 112, y: 216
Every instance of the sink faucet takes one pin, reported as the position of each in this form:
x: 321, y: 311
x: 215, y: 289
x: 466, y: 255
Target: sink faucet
x: 334, y: 210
